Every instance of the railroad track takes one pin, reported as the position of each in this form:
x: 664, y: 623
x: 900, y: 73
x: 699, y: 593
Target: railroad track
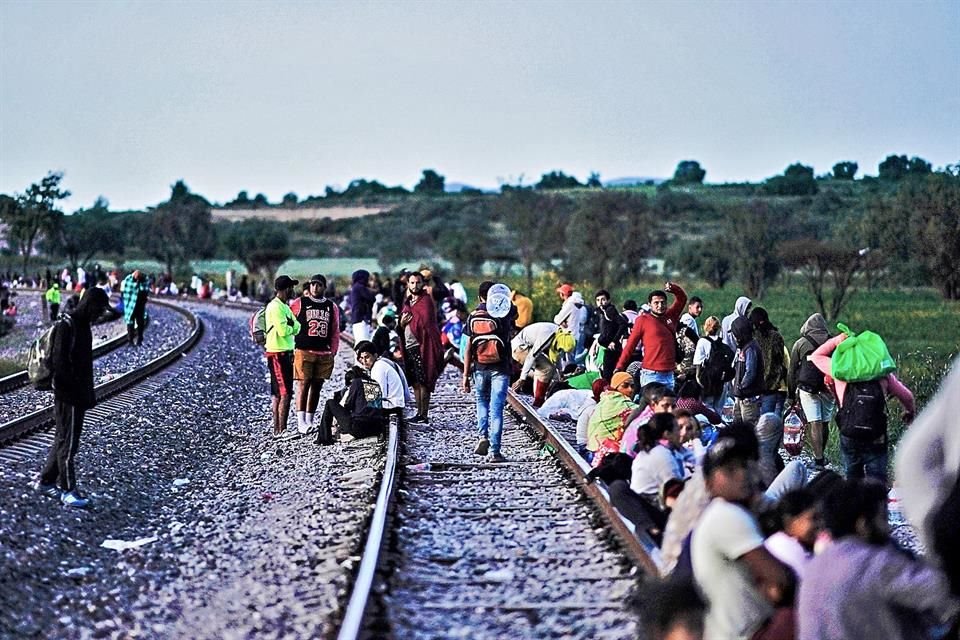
x: 36, y: 420
x: 460, y: 548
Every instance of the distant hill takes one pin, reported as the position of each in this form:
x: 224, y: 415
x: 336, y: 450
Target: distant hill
x: 631, y: 181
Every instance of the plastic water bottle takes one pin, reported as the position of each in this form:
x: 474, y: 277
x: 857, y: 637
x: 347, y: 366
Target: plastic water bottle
x: 793, y: 433
x: 895, y: 509
x: 422, y: 466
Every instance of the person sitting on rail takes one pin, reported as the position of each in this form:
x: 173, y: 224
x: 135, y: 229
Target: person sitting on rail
x: 658, y: 399
x: 605, y: 430
x: 657, y: 458
x: 388, y: 374
x: 564, y: 404
x: 585, y: 412
x: 358, y: 407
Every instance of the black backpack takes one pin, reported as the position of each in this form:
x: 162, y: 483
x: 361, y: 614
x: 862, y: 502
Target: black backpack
x: 863, y: 415
x: 716, y: 369
x: 810, y: 378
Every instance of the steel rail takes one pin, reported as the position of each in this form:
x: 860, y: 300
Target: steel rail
x: 33, y: 421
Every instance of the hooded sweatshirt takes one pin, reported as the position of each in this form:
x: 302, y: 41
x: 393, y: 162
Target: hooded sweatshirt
x: 72, y: 352
x: 748, y: 363
x: 361, y: 298
x: 813, y: 333
x: 739, y: 311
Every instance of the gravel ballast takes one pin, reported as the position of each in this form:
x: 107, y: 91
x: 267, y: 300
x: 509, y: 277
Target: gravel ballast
x: 242, y: 535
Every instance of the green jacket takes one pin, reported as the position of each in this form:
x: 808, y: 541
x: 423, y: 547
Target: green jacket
x: 53, y: 295
x: 282, y: 326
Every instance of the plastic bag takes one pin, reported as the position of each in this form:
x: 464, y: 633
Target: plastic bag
x: 584, y: 380
x: 861, y: 357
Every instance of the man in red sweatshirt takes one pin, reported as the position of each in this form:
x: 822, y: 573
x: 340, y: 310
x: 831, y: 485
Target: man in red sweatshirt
x: 656, y: 332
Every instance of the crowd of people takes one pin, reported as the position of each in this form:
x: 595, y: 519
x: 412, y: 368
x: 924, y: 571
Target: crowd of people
x: 682, y: 422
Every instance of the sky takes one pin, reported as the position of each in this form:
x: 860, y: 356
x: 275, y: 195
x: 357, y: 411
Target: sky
x: 126, y: 98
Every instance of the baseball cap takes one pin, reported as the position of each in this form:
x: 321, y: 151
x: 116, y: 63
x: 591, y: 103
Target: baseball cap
x: 319, y: 277
x: 565, y: 289
x: 284, y: 282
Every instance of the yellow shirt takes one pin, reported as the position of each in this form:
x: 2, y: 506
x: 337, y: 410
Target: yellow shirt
x: 280, y: 332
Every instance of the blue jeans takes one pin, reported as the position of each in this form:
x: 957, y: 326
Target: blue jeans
x: 663, y: 377
x: 864, y: 458
x: 773, y: 403
x: 491, y: 387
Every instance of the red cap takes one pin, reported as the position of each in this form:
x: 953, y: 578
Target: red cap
x: 565, y: 289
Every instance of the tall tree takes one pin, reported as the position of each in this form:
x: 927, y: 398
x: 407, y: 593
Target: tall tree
x: 431, y: 184
x: 689, y: 172
x: 830, y: 269
x: 535, y: 224
x: 89, y: 232
x: 754, y: 231
x: 797, y: 180
x: 179, y: 230
x: 557, y: 180
x: 845, y: 170
x: 932, y: 205
x: 261, y: 245
x: 35, y: 215
x: 609, y: 237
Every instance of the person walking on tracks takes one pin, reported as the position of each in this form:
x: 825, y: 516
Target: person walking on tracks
x: 316, y: 345
x: 487, y: 360
x: 422, y: 349
x: 73, y: 395
x: 52, y: 296
x: 134, y: 291
x: 282, y: 326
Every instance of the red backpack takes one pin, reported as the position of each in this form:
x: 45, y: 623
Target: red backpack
x: 488, y: 346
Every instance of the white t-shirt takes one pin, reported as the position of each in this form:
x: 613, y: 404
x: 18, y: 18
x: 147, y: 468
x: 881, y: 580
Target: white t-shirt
x: 651, y: 469
x: 789, y: 551
x: 391, y: 385
x: 702, y: 351
x: 690, y: 321
x: 726, y: 532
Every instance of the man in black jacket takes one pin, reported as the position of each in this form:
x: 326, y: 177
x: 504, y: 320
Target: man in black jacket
x: 73, y: 395
x: 612, y: 329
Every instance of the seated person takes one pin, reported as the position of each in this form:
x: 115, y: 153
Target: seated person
x: 688, y: 398
x: 388, y: 374
x: 799, y: 527
x: 657, y: 459
x: 564, y: 404
x: 358, y: 409
x: 658, y: 398
x: 606, y: 424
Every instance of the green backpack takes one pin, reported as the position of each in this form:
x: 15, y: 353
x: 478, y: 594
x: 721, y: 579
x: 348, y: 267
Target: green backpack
x: 861, y: 357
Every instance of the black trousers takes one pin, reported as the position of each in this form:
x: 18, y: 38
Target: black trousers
x: 333, y: 409
x: 54, y: 311
x: 138, y: 323
x: 60, y: 469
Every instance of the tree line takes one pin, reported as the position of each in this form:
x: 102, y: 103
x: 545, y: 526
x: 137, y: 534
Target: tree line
x: 900, y: 228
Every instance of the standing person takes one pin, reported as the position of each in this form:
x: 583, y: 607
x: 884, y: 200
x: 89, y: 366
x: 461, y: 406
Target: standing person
x: 73, y: 395
x: 740, y: 310
x: 656, y: 331
x: 612, y: 328
x: 282, y: 326
x: 864, y: 442
x: 807, y: 385
x: 689, y: 319
x: 133, y: 292
x: 53, y: 299
x: 487, y: 360
x: 244, y: 286
x: 315, y: 346
x: 774, y: 361
x: 361, y: 305
x: 524, y: 307
x: 422, y: 352
x: 713, y: 370
x: 747, y: 384
x: 572, y: 315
